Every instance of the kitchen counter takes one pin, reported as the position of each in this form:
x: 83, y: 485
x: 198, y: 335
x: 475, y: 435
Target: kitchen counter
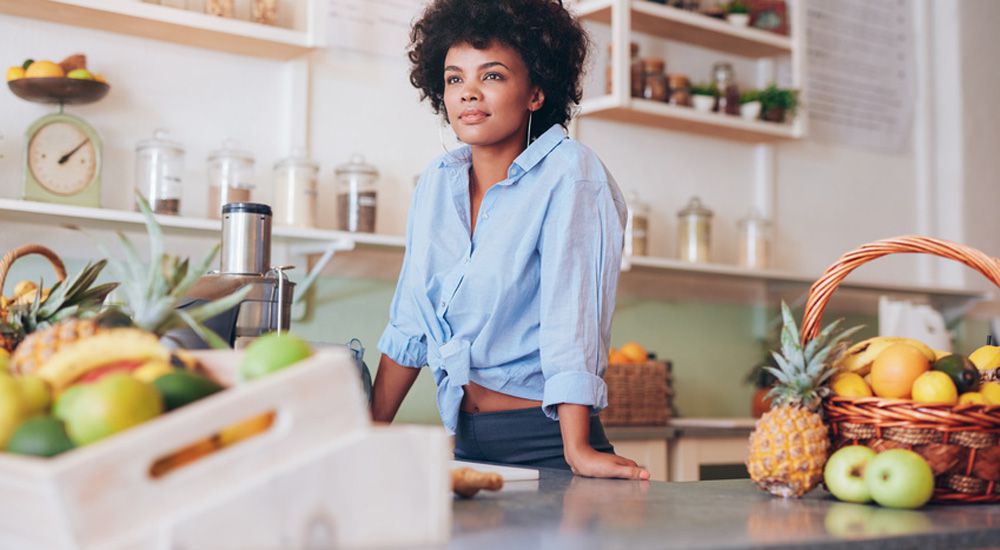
x: 563, y: 511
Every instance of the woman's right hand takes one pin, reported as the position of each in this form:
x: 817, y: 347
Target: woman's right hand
x: 591, y: 463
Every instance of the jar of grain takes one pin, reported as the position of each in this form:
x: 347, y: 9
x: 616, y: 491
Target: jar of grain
x: 694, y: 232
x: 636, y: 226
x: 655, y: 81
x: 356, y: 195
x: 295, y: 191
x: 230, y: 177
x: 755, y: 241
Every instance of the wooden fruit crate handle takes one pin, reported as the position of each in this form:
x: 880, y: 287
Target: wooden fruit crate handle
x: 26, y: 250
x: 822, y: 290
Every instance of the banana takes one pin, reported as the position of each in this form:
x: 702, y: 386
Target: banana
x: 859, y: 357
x: 24, y: 287
x: 986, y: 358
x: 102, y: 349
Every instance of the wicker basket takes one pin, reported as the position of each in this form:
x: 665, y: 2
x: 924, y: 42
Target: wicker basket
x: 638, y: 395
x: 959, y: 442
x: 26, y: 250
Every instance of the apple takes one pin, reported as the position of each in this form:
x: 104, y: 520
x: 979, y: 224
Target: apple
x: 844, y: 473
x: 899, y: 478
x: 849, y: 521
x: 272, y: 352
x: 115, y: 403
x: 886, y: 522
x: 80, y: 74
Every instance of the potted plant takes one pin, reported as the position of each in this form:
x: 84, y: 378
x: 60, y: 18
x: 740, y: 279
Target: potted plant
x: 737, y: 13
x: 750, y: 105
x: 776, y: 103
x: 703, y: 97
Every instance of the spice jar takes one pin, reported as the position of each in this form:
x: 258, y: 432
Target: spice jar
x: 755, y: 241
x: 295, y: 191
x: 636, y: 70
x: 694, y: 228
x: 356, y: 195
x: 221, y: 8
x: 655, y: 81
x: 159, y: 169
x: 636, y: 226
x: 230, y: 177
x: 265, y: 12
x: 724, y: 79
x: 680, y: 90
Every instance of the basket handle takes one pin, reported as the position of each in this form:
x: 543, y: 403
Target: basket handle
x: 26, y: 250
x: 821, y: 291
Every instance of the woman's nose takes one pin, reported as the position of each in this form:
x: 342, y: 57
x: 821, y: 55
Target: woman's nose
x: 470, y: 92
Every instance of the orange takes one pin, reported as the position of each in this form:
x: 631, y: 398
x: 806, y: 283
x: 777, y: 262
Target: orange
x: 991, y: 391
x: 635, y: 352
x: 935, y: 387
x: 618, y: 358
x: 44, y: 69
x: 850, y: 384
x: 895, y: 370
x: 15, y: 73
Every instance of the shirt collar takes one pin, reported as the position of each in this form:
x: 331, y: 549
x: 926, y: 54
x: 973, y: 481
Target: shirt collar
x: 538, y: 150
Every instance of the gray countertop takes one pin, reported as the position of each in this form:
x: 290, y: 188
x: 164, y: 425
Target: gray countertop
x: 681, y: 427
x: 564, y: 511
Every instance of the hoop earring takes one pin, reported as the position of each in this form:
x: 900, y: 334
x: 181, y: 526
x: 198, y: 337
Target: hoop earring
x: 528, y: 141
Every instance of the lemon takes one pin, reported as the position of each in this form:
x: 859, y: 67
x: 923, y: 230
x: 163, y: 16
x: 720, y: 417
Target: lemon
x: 35, y: 392
x: 4, y: 360
x: 971, y: 397
x: 44, y: 69
x: 986, y: 358
x: 991, y: 391
x: 934, y: 387
x: 15, y: 73
x: 634, y: 352
x: 850, y: 384
x: 152, y: 370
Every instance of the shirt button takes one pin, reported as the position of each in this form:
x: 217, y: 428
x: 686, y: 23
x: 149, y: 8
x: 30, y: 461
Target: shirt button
x: 486, y: 216
x: 443, y: 304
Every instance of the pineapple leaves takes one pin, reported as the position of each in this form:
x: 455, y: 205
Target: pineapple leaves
x: 211, y: 309
x: 203, y: 332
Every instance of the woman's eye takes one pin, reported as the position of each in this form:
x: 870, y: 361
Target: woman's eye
x: 452, y: 80
x: 493, y: 76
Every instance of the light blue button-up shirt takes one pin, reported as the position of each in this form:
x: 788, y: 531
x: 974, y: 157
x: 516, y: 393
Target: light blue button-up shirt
x: 524, y: 307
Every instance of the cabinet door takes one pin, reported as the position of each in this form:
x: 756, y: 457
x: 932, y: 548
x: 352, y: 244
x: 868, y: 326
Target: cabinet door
x: 651, y: 454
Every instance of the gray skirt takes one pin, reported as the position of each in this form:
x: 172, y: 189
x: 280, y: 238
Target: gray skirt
x: 523, y: 437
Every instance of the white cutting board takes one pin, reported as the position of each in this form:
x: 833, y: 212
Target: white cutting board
x: 509, y: 473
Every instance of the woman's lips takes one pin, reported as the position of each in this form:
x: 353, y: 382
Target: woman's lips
x: 473, y: 116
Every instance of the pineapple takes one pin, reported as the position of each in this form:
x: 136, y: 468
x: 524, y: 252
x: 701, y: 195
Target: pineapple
x: 72, y: 299
x: 151, y: 293
x: 788, y: 447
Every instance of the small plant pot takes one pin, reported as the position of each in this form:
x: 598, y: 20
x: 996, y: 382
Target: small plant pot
x: 750, y: 110
x: 738, y: 19
x: 703, y: 103
x: 774, y: 114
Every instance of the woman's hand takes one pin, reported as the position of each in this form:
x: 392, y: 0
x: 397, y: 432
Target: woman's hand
x: 588, y: 462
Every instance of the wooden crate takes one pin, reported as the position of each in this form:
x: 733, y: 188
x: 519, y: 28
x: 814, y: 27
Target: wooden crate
x: 312, y: 480
x: 638, y: 394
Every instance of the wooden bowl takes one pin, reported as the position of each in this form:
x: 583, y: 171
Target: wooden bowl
x: 67, y: 91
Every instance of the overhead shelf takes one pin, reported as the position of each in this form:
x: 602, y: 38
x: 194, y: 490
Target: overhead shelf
x: 168, y: 24
x: 308, y: 240
x: 686, y: 119
x: 691, y: 28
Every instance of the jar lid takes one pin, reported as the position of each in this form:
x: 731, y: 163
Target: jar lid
x: 230, y: 150
x: 653, y: 64
x: 678, y: 80
x: 297, y: 159
x: 356, y: 165
x: 754, y: 218
x: 159, y: 141
x: 695, y: 208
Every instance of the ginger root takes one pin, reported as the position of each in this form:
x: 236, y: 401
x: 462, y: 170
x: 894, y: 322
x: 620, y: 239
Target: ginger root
x: 466, y: 482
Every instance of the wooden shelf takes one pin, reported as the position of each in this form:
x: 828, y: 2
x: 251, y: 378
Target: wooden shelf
x: 170, y: 25
x: 307, y: 239
x: 686, y: 119
x: 691, y: 28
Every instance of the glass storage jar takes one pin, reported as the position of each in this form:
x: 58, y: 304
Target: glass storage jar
x: 694, y: 232
x: 230, y: 177
x: 655, y: 87
x: 636, y: 226
x: 724, y: 79
x: 221, y: 8
x: 755, y: 241
x: 680, y: 89
x: 356, y: 195
x: 159, y: 171
x: 265, y: 12
x: 295, y: 191
x: 636, y: 69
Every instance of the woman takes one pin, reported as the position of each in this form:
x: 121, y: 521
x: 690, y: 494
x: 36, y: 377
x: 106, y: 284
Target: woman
x: 513, y: 245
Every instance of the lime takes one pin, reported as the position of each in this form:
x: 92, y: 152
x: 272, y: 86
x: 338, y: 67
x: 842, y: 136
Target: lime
x: 40, y: 436
x: 180, y: 388
x: 272, y: 352
x: 962, y: 372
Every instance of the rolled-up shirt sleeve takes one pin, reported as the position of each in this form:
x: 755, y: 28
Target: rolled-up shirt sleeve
x: 403, y: 341
x: 580, y: 248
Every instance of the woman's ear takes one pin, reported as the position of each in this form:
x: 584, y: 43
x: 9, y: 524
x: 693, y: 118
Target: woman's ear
x: 537, y: 99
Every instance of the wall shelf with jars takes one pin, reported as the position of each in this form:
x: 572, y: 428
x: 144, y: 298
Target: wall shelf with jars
x: 276, y: 29
x: 639, y: 91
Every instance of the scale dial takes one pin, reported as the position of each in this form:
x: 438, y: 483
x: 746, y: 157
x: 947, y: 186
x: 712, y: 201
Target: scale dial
x: 62, y: 158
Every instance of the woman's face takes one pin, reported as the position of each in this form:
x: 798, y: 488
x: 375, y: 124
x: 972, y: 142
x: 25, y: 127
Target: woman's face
x: 488, y: 93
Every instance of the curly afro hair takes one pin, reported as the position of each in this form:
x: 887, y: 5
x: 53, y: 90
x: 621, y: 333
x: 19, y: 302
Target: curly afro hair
x: 551, y: 42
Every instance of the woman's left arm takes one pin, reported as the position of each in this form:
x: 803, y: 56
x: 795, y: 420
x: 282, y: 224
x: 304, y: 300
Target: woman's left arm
x: 580, y: 246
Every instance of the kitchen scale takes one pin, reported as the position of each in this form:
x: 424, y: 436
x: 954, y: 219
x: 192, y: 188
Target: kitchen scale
x: 62, y: 153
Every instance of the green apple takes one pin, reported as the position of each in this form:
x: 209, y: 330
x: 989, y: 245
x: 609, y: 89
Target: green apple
x: 899, y: 478
x: 844, y: 473
x: 36, y: 393
x: 112, y: 404
x: 13, y: 408
x: 849, y: 521
x: 81, y: 74
x: 272, y: 352
x: 887, y: 522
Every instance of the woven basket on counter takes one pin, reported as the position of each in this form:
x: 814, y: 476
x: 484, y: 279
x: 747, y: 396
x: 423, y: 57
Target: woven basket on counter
x: 638, y: 394
x: 959, y: 442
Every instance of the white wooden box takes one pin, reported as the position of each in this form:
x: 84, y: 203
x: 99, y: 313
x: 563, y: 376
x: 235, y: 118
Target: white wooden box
x: 322, y: 476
